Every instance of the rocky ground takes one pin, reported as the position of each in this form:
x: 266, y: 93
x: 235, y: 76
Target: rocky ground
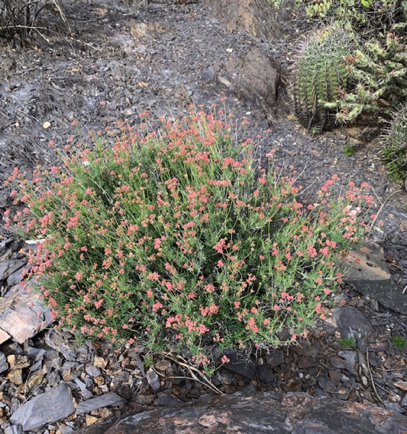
x: 116, y: 61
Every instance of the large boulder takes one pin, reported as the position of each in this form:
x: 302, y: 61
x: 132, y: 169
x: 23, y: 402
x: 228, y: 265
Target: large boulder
x: 295, y: 413
x: 256, y: 77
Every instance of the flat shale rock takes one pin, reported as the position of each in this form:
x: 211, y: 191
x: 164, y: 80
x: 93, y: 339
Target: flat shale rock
x: 3, y: 363
x: 51, y: 406
x: 110, y: 399
x: 371, y: 276
x: 352, y: 323
x: 22, y: 315
x: 296, y: 413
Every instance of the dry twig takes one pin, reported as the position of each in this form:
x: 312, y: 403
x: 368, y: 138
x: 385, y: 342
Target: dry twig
x: 192, y: 370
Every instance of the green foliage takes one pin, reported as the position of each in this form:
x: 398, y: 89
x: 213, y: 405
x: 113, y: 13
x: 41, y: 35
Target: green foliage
x: 276, y: 3
x: 319, y: 75
x: 379, y: 71
x: 349, y: 149
x: 148, y: 362
x: 400, y: 342
x: 362, y: 15
x: 394, y: 152
x: 170, y: 240
x: 346, y: 343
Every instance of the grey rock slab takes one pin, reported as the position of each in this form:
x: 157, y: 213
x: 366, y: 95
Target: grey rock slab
x: 84, y: 391
x: 240, y: 364
x: 13, y: 430
x: 57, y: 341
x: 23, y: 315
x: 349, y: 361
x: 168, y: 399
x: 14, y: 278
x: 275, y: 358
x: 371, y: 276
x: 93, y: 371
x: 153, y: 380
x: 297, y: 413
x: 266, y: 374
x: 3, y: 363
x: 4, y: 336
x: 110, y: 399
x: 352, y: 322
x: 10, y: 266
x: 49, y: 407
x: 394, y: 407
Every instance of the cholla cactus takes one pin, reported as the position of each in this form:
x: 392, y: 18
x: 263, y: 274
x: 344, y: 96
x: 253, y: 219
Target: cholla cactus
x: 380, y: 71
x: 395, y: 151
x: 319, y: 74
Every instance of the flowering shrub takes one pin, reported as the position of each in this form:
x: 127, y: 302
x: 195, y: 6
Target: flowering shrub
x: 177, y: 240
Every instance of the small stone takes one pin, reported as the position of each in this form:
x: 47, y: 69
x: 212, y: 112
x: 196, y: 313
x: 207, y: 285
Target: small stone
x: 307, y: 363
x: 163, y: 365
x: 100, y: 362
x: 401, y: 385
x: 49, y: 407
x: 105, y: 413
x: 266, y: 374
x: 350, y: 360
x: 84, y: 391
x: 90, y: 420
x: 403, y: 402
x: 337, y: 362
x: 352, y: 322
x: 275, y: 358
x: 66, y: 375
x: 209, y: 74
x: 15, y: 376
x: 4, y: 336
x: 153, y: 380
x: 46, y: 125
x: 99, y: 380
x: 349, y: 356
x: 240, y: 364
x: 35, y: 379
x: 56, y: 340
x: 18, y: 362
x: 110, y: 399
x: 225, y: 377
x: 335, y: 376
x: 168, y: 399
x: 394, y: 407
x: 93, y: 371
x: 380, y: 346
x: 3, y: 363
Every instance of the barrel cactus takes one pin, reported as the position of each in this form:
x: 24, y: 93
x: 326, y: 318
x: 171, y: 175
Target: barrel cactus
x: 320, y: 76
x: 395, y: 150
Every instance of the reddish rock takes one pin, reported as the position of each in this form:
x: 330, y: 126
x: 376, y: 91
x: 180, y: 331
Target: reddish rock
x: 254, y: 17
